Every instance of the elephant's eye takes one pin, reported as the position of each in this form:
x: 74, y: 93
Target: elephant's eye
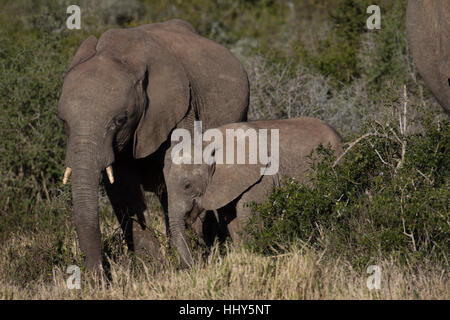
x: 120, y: 120
x: 187, y: 186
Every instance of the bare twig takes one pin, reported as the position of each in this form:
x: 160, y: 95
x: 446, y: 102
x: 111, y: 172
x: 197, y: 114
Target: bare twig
x: 6, y: 204
x: 45, y: 187
x: 351, y: 145
x: 403, y: 127
x: 381, y: 158
x: 426, y: 178
x: 409, y: 235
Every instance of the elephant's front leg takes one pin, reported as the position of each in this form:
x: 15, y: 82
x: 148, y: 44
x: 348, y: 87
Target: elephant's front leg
x: 257, y: 193
x: 206, y: 227
x: 128, y: 201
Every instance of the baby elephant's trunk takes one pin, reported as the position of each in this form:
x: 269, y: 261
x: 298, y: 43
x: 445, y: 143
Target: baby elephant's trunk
x: 178, y: 233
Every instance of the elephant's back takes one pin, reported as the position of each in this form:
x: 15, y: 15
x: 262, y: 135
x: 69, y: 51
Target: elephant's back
x: 177, y: 25
x: 298, y: 137
x: 218, y: 80
x: 304, y: 131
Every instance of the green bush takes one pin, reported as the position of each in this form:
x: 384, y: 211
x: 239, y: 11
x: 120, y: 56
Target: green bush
x: 366, y: 208
x: 33, y: 61
x: 336, y: 56
x: 388, y: 55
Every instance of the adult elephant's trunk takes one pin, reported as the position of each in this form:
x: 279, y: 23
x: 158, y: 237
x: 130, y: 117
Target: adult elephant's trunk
x: 85, y: 180
x: 178, y: 233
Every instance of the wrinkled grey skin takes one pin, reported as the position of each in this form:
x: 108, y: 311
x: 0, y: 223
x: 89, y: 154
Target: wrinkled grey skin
x: 122, y: 96
x: 196, y: 188
x: 428, y: 26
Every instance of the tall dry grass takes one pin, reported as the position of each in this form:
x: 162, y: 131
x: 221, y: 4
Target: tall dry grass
x: 243, y: 275
x: 232, y: 272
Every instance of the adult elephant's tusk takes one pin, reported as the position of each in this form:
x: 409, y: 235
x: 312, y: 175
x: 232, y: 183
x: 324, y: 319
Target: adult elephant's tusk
x: 67, y: 175
x: 109, y: 172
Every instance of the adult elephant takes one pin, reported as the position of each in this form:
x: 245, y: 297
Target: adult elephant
x: 428, y: 26
x: 122, y: 96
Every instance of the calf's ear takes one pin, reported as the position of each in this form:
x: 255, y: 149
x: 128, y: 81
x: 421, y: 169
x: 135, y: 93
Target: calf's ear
x: 228, y: 182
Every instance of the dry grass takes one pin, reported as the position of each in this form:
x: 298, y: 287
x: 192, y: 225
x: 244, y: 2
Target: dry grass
x: 31, y: 269
x: 239, y: 274
x: 242, y: 275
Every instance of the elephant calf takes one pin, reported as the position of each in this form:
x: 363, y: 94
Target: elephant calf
x: 226, y: 188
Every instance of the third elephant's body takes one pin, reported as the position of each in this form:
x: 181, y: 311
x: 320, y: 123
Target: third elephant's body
x: 428, y: 26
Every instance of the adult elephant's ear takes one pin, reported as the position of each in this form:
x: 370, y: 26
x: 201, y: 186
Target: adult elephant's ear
x: 428, y: 27
x: 84, y: 53
x: 167, y: 89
